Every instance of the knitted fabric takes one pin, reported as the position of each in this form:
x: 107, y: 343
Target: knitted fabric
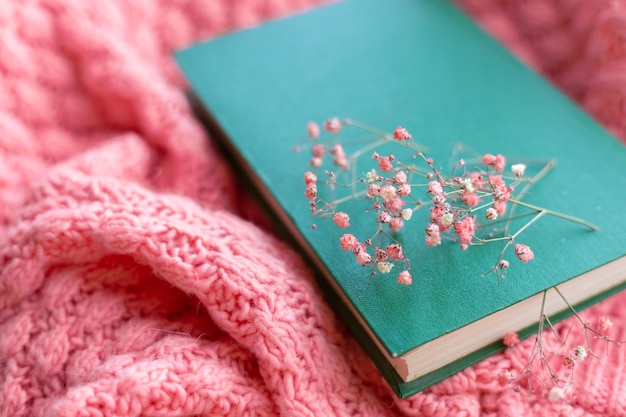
x: 136, y: 279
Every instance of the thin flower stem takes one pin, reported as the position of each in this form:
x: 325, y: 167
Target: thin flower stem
x: 531, y: 221
x: 556, y: 214
x: 349, y: 197
x: 367, y: 128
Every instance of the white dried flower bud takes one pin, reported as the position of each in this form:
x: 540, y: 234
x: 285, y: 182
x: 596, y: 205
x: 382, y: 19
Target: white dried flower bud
x: 491, y: 213
x: 518, y: 169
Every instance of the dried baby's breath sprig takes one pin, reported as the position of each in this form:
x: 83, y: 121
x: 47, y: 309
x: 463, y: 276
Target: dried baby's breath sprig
x: 470, y: 198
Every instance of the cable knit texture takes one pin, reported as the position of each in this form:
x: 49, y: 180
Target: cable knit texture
x: 137, y: 280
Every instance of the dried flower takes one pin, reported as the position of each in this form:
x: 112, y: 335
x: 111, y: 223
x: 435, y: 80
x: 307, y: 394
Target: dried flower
x: 406, y: 214
x: 505, y: 377
x: 395, y: 251
x: 332, y: 125
x: 362, y: 257
x: 405, y: 278
x: 465, y: 229
x: 384, y: 163
x: 384, y: 267
x: 313, y: 130
x: 309, y: 177
x: 311, y: 190
x: 399, y: 177
x: 341, y: 219
x: 510, y: 339
x: 396, y: 224
x: 604, y: 326
x: 556, y: 394
x: 348, y: 242
x: 580, y: 353
x: 401, y: 134
x: 518, y: 169
x: 433, y: 236
x: 491, y: 213
x: 524, y: 253
x: 434, y: 187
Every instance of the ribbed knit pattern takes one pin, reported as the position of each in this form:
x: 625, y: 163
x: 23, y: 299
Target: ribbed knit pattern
x: 137, y: 279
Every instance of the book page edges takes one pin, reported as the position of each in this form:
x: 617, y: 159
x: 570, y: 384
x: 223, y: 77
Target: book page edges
x: 455, y: 345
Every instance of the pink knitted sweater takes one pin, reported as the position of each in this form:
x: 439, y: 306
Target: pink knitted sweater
x: 137, y: 280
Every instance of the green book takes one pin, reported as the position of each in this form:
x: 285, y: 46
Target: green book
x: 424, y: 65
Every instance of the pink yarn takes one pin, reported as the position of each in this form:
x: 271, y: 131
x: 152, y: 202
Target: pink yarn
x: 134, y: 277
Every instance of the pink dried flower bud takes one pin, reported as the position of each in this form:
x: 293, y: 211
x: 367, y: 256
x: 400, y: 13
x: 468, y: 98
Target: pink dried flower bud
x: 311, y: 190
x: 465, y: 229
x: 373, y: 190
x: 568, y: 361
x: 404, y: 189
x: 341, y: 219
x: 497, y: 162
x: 400, y: 177
x: 470, y: 199
x: 401, y: 134
x: 348, y: 242
x: 394, y: 205
x: 317, y: 151
x: 504, y: 264
x: 384, y: 163
x: 384, y: 217
x: 433, y: 236
x: 505, y: 378
x: 313, y: 130
x: 375, y: 156
x: 499, y: 207
x: 337, y: 150
x: 500, y: 163
x: 363, y: 258
x: 439, y: 200
x: 388, y: 192
x: 510, y: 339
x: 518, y: 169
x: 489, y: 159
x: 477, y: 180
x: 524, y: 253
x: 316, y: 162
x: 435, y: 188
x: 380, y: 255
x: 341, y: 161
x: 405, y: 278
x: 604, y: 326
x: 309, y: 177
x: 396, y: 224
x: 332, y: 125
x: 395, y: 252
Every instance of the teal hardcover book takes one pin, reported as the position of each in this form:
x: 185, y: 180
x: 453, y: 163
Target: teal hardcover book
x: 426, y: 66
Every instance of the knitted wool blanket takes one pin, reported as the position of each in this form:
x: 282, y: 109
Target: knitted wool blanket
x: 137, y: 279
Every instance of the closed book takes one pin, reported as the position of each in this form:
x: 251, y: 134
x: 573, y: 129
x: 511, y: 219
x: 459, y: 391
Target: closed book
x: 424, y: 65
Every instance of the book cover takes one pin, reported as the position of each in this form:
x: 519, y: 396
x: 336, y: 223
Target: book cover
x: 426, y: 66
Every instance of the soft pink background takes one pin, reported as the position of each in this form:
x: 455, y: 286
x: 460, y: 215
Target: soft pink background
x: 136, y: 280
